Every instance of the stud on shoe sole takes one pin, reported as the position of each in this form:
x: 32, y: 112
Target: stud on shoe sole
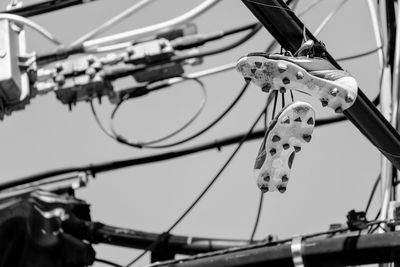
x: 290, y: 129
x: 282, y: 75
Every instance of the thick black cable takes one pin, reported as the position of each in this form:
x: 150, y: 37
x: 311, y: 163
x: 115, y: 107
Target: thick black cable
x: 108, y: 262
x: 204, y: 191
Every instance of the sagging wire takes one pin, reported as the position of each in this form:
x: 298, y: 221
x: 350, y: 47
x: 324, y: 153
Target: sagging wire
x: 31, y: 24
x: 99, y: 123
x: 203, y: 192
x: 128, y: 70
x: 149, y: 144
x: 112, y: 22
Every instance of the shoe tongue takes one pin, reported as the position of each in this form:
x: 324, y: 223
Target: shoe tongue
x: 331, y: 75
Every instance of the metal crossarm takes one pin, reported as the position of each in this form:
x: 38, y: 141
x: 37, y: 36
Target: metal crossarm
x: 287, y: 29
x: 328, y: 252
x: 45, y: 7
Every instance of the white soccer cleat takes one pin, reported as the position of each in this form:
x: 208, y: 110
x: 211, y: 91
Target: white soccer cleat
x: 290, y: 129
x: 335, y: 88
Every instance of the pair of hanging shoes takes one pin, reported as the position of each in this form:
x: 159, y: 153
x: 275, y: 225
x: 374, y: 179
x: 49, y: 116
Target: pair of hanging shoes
x: 294, y: 124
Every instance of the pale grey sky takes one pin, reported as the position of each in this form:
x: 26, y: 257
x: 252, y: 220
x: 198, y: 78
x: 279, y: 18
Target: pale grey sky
x: 332, y: 175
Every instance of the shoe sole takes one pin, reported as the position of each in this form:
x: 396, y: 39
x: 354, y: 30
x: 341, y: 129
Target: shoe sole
x: 274, y: 74
x: 290, y: 129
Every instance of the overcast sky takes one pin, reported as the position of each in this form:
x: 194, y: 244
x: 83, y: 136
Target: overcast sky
x: 331, y: 175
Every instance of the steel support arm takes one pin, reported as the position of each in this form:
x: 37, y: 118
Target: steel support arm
x: 329, y: 252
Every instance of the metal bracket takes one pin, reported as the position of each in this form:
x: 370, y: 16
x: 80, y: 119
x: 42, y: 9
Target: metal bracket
x: 296, y: 247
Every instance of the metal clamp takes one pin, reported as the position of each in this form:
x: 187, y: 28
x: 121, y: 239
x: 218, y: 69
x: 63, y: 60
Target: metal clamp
x: 296, y: 248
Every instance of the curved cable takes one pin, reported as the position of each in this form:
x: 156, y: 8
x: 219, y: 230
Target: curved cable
x: 129, y: 70
x: 112, y: 22
x: 148, y: 144
x: 33, y: 25
x: 204, y: 191
x: 153, y: 29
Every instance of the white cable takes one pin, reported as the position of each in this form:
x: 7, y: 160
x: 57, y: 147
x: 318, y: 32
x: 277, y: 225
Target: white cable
x: 146, y: 31
x: 24, y: 21
x: 112, y: 22
x: 328, y: 18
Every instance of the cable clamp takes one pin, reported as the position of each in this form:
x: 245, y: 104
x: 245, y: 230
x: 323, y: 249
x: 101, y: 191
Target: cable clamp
x: 296, y: 248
